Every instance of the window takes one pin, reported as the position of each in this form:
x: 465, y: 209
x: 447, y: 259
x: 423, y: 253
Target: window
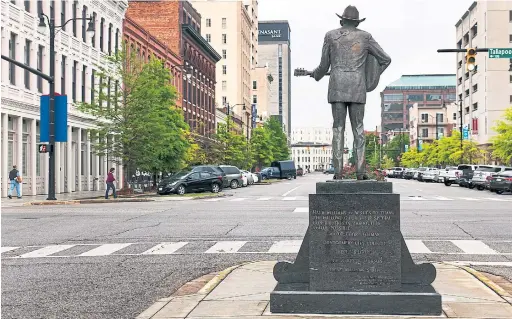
x: 63, y: 75
x: 12, y: 55
x: 93, y: 75
x: 475, y: 106
x: 75, y: 7
x: 433, y: 97
x: 475, y: 88
x: 39, y: 8
x: 510, y: 15
x: 254, y: 99
x: 27, y: 62
x: 73, y: 84
x: 394, y: 97
x: 511, y: 99
x: 93, y: 39
x: 440, y: 132
x: 224, y: 23
x: 424, y: 132
x: 84, y: 24
x: 511, y: 79
x: 84, y: 71
x: 27, y: 5
x: 224, y: 38
x: 224, y: 85
x: 455, y: 116
x: 117, y: 41
x: 208, y: 23
x: 224, y: 69
x: 208, y: 38
x: 224, y: 100
x: 411, y: 97
x: 424, y: 118
x: 63, y: 14
x: 510, y: 38
x: 225, y: 54
x: 110, y: 38
x: 40, y: 49
x: 102, y: 26
x: 254, y: 85
x: 440, y: 117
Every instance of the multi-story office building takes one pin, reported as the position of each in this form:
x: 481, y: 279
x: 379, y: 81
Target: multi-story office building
x: 430, y: 123
x: 428, y: 90
x: 227, y: 26
x: 260, y: 92
x: 177, y: 24
x: 77, y: 58
x: 315, y: 156
x: 312, y: 135
x: 274, y: 50
x: 252, y: 8
x: 487, y: 91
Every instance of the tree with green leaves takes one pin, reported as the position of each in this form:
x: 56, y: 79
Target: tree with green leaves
x: 261, y: 145
x: 278, y: 140
x: 234, y: 148
x: 396, y: 146
x: 502, y: 142
x: 135, y: 114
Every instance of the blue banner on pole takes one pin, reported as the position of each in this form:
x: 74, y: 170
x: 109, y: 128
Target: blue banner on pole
x: 254, y: 112
x: 61, y: 118
x: 465, y: 133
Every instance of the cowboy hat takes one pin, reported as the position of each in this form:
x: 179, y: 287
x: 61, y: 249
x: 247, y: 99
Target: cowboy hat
x: 351, y: 13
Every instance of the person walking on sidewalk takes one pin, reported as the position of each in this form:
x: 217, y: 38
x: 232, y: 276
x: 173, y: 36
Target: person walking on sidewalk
x: 16, y: 180
x: 110, y: 183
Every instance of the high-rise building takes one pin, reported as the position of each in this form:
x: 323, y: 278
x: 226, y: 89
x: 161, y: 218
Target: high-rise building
x: 428, y: 90
x: 260, y: 92
x: 228, y: 27
x: 274, y: 50
x: 487, y: 91
x: 77, y: 57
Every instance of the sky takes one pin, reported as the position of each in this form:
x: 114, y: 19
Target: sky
x: 410, y: 31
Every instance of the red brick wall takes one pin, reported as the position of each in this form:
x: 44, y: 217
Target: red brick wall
x: 160, y: 18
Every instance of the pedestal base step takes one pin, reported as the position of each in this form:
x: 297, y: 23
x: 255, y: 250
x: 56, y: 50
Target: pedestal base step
x: 361, y: 303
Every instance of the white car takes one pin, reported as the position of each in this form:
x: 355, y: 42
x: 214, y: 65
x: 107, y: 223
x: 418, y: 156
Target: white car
x: 431, y: 175
x: 247, y: 178
x: 255, y: 177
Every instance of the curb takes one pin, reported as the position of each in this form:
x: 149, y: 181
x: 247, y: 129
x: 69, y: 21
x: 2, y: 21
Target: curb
x: 212, y: 284
x: 48, y: 203
x: 490, y: 284
x: 88, y: 201
x: 207, y: 197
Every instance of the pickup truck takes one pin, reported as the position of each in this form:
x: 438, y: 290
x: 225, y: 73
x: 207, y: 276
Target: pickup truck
x: 450, y: 176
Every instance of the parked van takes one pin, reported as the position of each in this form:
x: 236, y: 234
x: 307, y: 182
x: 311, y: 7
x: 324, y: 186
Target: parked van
x: 286, y: 169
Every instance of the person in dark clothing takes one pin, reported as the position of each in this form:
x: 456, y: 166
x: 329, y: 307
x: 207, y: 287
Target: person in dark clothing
x: 110, y: 183
x: 15, y: 180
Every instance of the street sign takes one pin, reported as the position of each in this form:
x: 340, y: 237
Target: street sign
x: 465, y: 134
x: 406, y: 147
x: 500, y: 53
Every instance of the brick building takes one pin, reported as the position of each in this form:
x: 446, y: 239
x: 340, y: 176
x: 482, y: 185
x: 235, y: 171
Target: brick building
x: 178, y: 26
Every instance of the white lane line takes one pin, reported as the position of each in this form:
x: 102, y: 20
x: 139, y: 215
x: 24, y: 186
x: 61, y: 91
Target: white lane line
x: 288, y: 192
x: 164, y: 248
x: 45, y: 251
x: 213, y: 199
x: 264, y: 198
x: 301, y: 198
x: 6, y: 249
x: 415, y: 198
x: 496, y: 199
x: 226, y: 247
x: 417, y: 247
x: 475, y: 247
x: 105, y: 250
x: 238, y: 199
x: 301, y: 210
x: 469, y: 198
x: 289, y: 198
x: 442, y: 198
x: 285, y: 247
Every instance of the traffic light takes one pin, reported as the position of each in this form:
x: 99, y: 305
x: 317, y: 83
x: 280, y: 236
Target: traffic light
x: 43, y: 148
x: 470, y: 59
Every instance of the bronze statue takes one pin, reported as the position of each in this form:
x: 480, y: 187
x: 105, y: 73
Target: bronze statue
x: 356, y: 62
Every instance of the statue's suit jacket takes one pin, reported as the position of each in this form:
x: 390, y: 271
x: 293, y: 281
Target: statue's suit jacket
x: 345, y: 52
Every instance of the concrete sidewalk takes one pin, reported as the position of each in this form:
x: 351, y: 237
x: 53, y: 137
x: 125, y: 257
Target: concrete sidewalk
x: 14, y: 202
x: 243, y: 292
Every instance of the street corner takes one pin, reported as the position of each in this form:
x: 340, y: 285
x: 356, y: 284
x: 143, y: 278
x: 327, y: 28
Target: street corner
x: 500, y: 285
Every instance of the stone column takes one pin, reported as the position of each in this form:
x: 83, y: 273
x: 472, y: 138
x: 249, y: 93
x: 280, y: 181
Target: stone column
x: 96, y: 167
x: 88, y: 160
x: 69, y: 160
x: 34, y: 152
x: 18, y: 130
x: 59, y: 176
x: 79, y: 67
x: 120, y: 175
x: 79, y: 155
x: 4, y: 168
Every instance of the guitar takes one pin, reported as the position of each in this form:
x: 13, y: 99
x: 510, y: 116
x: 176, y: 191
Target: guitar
x: 302, y: 72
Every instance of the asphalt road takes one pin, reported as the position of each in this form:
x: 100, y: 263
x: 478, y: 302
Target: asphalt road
x: 115, y: 260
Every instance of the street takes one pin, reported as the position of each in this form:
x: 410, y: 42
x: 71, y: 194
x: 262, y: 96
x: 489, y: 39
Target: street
x: 115, y: 260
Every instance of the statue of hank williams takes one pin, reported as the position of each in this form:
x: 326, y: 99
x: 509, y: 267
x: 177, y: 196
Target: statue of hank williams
x: 356, y: 62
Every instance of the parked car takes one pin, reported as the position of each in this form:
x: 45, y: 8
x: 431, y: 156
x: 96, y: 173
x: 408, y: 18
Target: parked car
x: 186, y: 181
x: 501, y: 182
x: 248, y: 178
x: 398, y: 172
x: 409, y: 173
x: 451, y: 175
x: 213, y: 169
x: 269, y: 173
x: 483, y: 175
x: 233, y: 176
x: 430, y: 175
x: 255, y: 177
x: 330, y: 170
x: 286, y: 169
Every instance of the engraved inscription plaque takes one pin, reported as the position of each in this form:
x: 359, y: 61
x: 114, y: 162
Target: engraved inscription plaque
x: 355, y: 242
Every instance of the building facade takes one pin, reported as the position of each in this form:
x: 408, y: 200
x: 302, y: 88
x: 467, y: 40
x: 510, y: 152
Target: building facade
x: 227, y: 26
x: 177, y: 24
x: 430, y: 123
x: 77, y: 57
x: 487, y: 91
x: 274, y: 50
x: 315, y: 156
x: 260, y: 92
x: 428, y: 90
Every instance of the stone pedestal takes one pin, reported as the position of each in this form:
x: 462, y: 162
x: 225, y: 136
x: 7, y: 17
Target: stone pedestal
x: 353, y: 259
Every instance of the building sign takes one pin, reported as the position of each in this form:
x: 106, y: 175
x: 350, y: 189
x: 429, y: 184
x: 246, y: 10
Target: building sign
x: 278, y: 31
x: 254, y: 115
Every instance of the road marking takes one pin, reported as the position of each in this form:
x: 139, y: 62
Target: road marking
x: 469, y: 198
x: 416, y: 198
x: 6, y: 249
x: 301, y: 210
x: 226, y: 247
x: 442, y: 198
x: 417, y: 247
x: 289, y: 198
x: 474, y: 247
x: 213, y: 199
x: 164, y: 248
x: 105, y: 250
x: 264, y: 198
x: 238, y: 199
x: 285, y: 247
x: 288, y: 192
x: 46, y: 251
x: 497, y: 199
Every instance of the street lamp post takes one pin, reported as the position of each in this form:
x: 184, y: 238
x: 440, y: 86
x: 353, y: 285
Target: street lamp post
x: 42, y: 27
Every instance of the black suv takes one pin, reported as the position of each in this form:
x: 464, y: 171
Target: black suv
x: 213, y: 169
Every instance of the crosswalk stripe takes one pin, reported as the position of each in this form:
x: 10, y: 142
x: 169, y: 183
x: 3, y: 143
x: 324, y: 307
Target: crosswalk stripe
x: 474, y: 247
x: 469, y: 198
x: 442, y: 198
x: 496, y: 199
x: 164, y: 248
x: 105, y: 250
x: 417, y: 247
x: 285, y: 247
x: 226, y: 247
x: 264, y: 198
x: 288, y: 198
x: 6, y: 249
x: 238, y: 199
x: 415, y: 198
x: 301, y: 210
x: 213, y: 199
x: 46, y: 251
